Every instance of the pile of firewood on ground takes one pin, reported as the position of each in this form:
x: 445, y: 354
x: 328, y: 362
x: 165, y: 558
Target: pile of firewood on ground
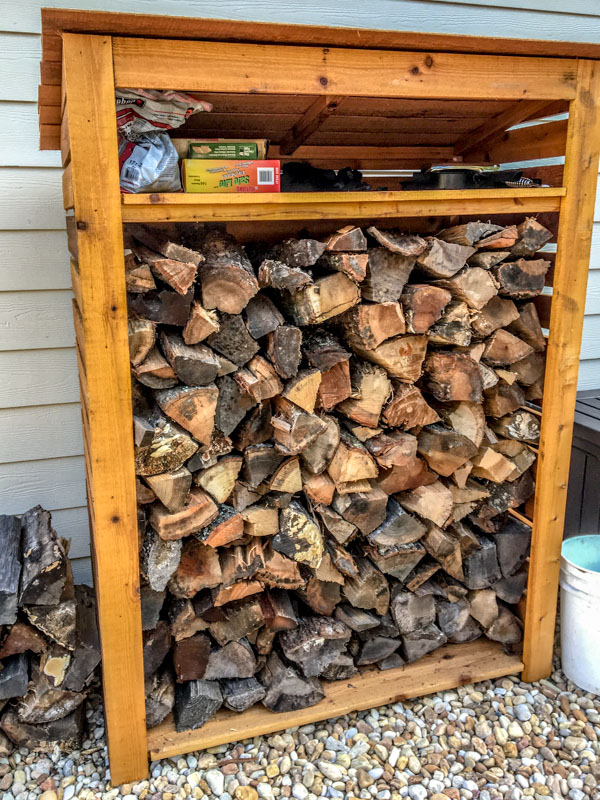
x: 329, y: 438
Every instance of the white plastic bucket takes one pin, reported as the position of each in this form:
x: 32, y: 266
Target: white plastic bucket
x: 580, y: 611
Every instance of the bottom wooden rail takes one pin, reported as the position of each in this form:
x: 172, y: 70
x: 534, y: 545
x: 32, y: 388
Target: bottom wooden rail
x: 450, y: 666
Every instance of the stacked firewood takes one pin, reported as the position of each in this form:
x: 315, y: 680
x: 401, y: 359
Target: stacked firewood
x: 49, y: 644
x: 329, y: 439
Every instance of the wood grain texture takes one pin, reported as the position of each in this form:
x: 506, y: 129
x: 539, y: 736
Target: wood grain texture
x: 562, y: 361
x: 309, y: 70
x: 90, y: 86
x: 446, y: 668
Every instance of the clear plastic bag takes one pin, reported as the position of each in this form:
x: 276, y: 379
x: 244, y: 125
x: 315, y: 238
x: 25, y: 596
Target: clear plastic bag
x: 149, y: 164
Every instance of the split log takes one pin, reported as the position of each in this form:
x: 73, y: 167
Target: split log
x: 195, y: 364
x: 234, y: 660
x: 233, y: 403
x: 159, y: 559
x: 474, y: 286
x: 219, y: 479
x: 142, y: 335
x: 521, y: 425
x: 398, y: 560
x: 199, y: 511
x: 376, y: 649
x: 530, y: 370
x: 179, y: 275
x: 66, y: 732
x: 227, y: 278
x: 503, y: 399
x: 452, y: 617
x: 505, y: 628
x: 497, y: 313
x: 532, y: 236
x: 511, y: 589
x: 255, y: 428
x: 200, y: 325
x: 287, y: 477
x: 44, y: 570
x: 341, y: 668
x: 465, y: 418
x: 355, y: 618
x: 480, y: 566
x: 453, y: 376
x: 366, y: 510
x: 143, y: 494
x: 198, y: 568
x: 258, y: 379
x: 500, y: 240
x: 278, y: 275
x: 299, y: 252
x: 433, y: 502
x: 445, y: 548
x: 483, y: 606
x: 294, y: 429
x: 341, y: 530
x: 325, y: 298
x: 443, y: 259
x: 171, y: 488
x: 502, y: 349
x: 262, y: 316
x: 302, y: 390
x: 403, y: 243
x: 156, y: 239
x: 423, y: 305
x: 233, y: 340
x: 444, y: 449
x: 155, y: 371
x: 417, y: 644
x: 409, y: 476
x: 317, y: 454
x: 368, y: 325
x: 348, y: 239
x: 528, y: 328
x: 160, y: 697
x: 156, y: 647
x: 351, y: 461
x: 399, y: 527
x: 138, y: 277
x: 164, y: 448
x: 299, y: 537
x: 10, y: 567
x: 486, y: 259
x: 279, y: 612
x: 20, y: 639
x: 286, y: 689
x: 151, y: 603
x: 387, y: 273
x: 44, y: 703
x: 491, y: 466
x: 192, y: 407
x: 239, y: 694
x: 240, y: 563
x: 207, y: 455
x: 469, y: 233
x: 521, y: 279
x: 512, y: 546
x: 393, y: 448
x: 353, y: 265
x: 408, y: 408
x: 183, y: 620
x: 454, y: 326
x: 165, y: 307
x: 236, y: 591
x: 260, y: 461
x: 335, y: 386
x: 283, y: 348
x: 195, y: 703
x: 314, y: 643
x: 402, y: 357
x: 260, y: 520
x: 411, y: 612
x: 14, y: 677
x: 369, y: 589
x: 322, y: 349
x: 279, y: 571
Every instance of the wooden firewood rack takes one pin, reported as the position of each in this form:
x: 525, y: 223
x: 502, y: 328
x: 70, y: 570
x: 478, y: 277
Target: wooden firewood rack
x: 316, y: 71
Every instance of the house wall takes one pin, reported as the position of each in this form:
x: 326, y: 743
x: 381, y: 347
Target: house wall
x: 41, y: 455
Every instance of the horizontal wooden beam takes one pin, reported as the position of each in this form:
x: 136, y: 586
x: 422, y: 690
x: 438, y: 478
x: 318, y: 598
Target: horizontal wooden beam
x: 548, y: 140
x: 270, y: 69
x: 334, y: 205
x: 448, y: 667
x: 309, y: 122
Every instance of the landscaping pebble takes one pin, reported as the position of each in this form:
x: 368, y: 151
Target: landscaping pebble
x: 497, y: 740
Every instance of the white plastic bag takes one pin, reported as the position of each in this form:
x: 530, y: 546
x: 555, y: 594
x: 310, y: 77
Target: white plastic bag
x: 143, y: 111
x: 149, y: 165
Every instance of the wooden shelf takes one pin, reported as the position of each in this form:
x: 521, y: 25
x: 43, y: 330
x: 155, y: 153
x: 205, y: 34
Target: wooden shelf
x: 451, y: 666
x: 334, y: 205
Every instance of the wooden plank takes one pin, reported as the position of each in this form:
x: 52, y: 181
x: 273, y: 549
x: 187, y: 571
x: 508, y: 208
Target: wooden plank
x: 448, y: 667
x: 310, y: 121
x: 33, y: 320
x: 30, y: 434
x: 67, y: 182
x: 51, y: 482
x: 38, y: 377
x: 570, y: 278
x: 491, y: 130
x: 65, y: 143
x: 90, y: 87
x: 543, y: 304
x: 332, y: 205
x: 55, y: 20
x: 526, y: 144
x: 310, y: 70
x: 76, y: 282
x: 49, y: 95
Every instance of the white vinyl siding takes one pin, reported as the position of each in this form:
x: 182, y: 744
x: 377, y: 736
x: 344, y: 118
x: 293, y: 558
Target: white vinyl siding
x: 41, y: 459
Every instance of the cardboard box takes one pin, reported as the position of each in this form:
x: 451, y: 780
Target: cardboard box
x: 221, y: 149
x: 207, y: 175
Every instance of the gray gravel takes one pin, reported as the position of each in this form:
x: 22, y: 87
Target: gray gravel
x: 496, y: 739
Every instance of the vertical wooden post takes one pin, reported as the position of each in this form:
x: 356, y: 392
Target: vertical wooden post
x: 106, y: 395
x: 562, y: 364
